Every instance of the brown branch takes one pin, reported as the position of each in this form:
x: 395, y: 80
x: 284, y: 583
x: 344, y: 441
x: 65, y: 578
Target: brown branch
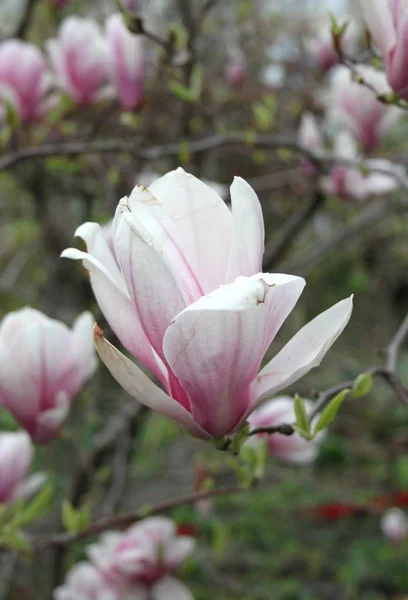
x: 122, y: 521
x: 303, y: 262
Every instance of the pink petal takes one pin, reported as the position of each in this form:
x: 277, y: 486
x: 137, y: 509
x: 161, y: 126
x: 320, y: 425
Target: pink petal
x: 215, y: 345
x: 151, y: 285
x: 248, y: 232
x: 111, y: 294
x: 303, y: 352
x: 379, y: 21
x: 198, y: 221
x: 139, y: 386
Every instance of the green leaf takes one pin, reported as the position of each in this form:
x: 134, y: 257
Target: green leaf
x: 34, y: 509
x: 362, y: 385
x: 330, y: 411
x: 302, y: 420
x: 75, y: 519
x: 15, y: 540
x: 196, y: 82
x: 184, y: 152
x: 181, y: 91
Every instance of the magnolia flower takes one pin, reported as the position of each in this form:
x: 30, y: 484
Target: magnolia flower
x: 43, y: 365
x: 292, y: 448
x: 356, y: 107
x: 394, y: 525
x: 184, y: 294
x: 387, y: 21
x: 84, y: 582
x: 320, y: 46
x: 16, y: 454
x: 24, y: 79
x: 144, y: 556
x: 350, y: 182
x: 236, y: 71
x: 78, y: 57
x: 125, y: 62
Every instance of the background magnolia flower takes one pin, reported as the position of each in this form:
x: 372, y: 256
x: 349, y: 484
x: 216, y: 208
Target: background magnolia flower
x: 394, y: 525
x: 84, y: 582
x: 184, y: 294
x: 43, y: 365
x: 16, y: 454
x: 145, y: 555
x: 291, y: 448
x: 350, y: 182
x: 356, y: 107
x: 387, y: 21
x: 236, y: 71
x: 78, y: 57
x: 320, y: 46
x: 125, y: 62
x: 24, y: 79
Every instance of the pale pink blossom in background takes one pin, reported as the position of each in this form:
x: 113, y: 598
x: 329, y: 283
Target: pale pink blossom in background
x: 145, y: 555
x: 191, y: 303
x: 125, y: 62
x: 135, y: 565
x: 236, y: 71
x: 16, y: 454
x: 394, y: 525
x: 320, y: 46
x: 351, y: 182
x: 43, y: 365
x: 310, y: 137
x: 291, y: 448
x: 84, y: 582
x: 356, y: 107
x: 387, y: 21
x: 78, y: 57
x: 24, y: 79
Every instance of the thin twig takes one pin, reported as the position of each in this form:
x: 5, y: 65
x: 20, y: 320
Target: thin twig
x: 122, y: 521
x: 394, y: 347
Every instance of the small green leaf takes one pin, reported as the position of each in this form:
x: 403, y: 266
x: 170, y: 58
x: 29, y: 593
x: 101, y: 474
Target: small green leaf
x: 196, y: 82
x: 362, y: 385
x: 181, y: 91
x: 330, y: 411
x: 15, y: 540
x: 34, y: 508
x: 302, y: 420
x: 184, y: 152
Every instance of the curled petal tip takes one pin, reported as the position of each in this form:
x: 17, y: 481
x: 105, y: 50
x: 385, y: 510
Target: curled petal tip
x: 98, y: 331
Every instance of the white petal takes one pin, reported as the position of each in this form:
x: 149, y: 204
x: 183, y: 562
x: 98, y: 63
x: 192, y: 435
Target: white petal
x: 303, y: 352
x: 138, y: 385
x: 215, y: 346
x: 248, y: 232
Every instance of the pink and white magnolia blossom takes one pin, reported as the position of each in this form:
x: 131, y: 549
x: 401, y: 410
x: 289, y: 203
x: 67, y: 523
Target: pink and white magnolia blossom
x: 125, y: 62
x: 143, y: 558
x: 16, y: 454
x: 43, y: 365
x: 387, y: 21
x: 350, y: 182
x: 185, y: 294
x: 24, y: 79
x: 320, y: 46
x: 78, y: 57
x: 356, y: 107
x: 291, y: 448
x: 394, y: 525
